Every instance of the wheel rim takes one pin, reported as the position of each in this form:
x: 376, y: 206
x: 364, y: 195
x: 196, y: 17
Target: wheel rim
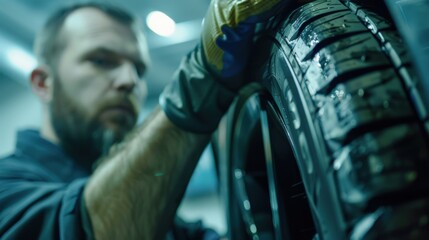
x: 265, y: 198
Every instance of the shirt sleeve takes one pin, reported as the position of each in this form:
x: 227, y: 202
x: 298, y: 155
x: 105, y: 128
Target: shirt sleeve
x: 31, y: 209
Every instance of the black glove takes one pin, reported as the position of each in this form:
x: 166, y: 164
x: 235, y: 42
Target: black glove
x: 208, y: 77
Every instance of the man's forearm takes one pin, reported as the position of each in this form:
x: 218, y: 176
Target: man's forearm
x: 135, y: 192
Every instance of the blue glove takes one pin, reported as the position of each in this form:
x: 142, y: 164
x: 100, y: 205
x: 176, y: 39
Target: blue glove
x: 209, y: 77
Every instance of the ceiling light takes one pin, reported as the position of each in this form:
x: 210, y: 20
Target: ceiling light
x: 160, y: 23
x: 21, y: 60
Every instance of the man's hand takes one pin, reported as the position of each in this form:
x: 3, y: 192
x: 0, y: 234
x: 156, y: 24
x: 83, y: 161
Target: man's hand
x: 208, y: 78
x: 230, y: 27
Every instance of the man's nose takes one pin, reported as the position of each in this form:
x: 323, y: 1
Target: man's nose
x: 127, y: 77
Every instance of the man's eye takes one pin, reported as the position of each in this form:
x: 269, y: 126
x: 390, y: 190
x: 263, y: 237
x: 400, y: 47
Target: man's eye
x: 103, y: 62
x: 141, y: 70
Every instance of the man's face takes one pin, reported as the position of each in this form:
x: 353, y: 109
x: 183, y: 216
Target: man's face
x: 98, y: 86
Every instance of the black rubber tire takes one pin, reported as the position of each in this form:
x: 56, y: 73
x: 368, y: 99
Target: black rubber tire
x: 340, y: 93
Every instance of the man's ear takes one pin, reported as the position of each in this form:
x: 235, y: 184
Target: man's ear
x: 42, y: 83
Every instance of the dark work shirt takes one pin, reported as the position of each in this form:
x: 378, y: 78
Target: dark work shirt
x: 41, y: 193
x: 40, y: 189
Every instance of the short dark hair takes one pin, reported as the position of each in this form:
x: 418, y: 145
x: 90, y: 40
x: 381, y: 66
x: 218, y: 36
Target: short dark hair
x: 47, y: 45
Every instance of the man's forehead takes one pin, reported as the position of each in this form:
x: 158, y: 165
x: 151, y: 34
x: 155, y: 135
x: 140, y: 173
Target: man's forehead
x: 92, y: 28
x: 91, y: 21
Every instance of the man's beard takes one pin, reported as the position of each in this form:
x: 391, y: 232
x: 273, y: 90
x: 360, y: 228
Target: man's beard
x: 84, y: 139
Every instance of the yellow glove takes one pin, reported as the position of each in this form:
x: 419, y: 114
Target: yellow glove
x: 229, y: 30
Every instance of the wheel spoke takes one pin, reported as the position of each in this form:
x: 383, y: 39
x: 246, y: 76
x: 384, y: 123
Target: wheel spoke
x: 266, y: 140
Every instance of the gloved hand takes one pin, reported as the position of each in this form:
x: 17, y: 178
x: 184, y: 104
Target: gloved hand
x: 209, y: 77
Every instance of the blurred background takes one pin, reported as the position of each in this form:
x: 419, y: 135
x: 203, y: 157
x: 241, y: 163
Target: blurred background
x: 175, y: 32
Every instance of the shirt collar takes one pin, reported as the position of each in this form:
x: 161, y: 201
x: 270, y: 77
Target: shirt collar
x: 31, y: 143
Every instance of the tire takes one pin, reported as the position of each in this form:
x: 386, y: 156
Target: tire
x: 330, y: 141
